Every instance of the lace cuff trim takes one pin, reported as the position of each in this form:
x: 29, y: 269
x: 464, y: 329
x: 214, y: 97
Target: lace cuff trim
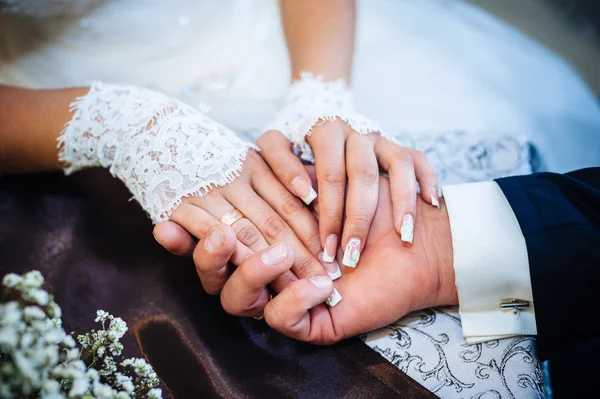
x: 161, y: 148
x: 311, y: 101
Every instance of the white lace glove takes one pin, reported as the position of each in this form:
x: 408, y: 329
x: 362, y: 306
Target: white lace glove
x: 162, y: 149
x: 311, y: 101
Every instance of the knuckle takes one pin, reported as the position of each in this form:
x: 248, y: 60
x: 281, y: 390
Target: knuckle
x: 367, y: 173
x: 360, y: 217
x: 334, y: 176
x: 273, y: 227
x: 302, y: 266
x: 247, y: 234
x: 291, y: 204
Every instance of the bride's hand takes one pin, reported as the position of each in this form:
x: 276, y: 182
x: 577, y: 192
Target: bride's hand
x: 343, y: 156
x: 271, y: 215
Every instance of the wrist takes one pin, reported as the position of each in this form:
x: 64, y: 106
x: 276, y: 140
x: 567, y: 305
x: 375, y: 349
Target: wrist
x: 437, y: 242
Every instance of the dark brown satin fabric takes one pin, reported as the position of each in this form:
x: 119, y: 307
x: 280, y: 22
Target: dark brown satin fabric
x: 96, y: 252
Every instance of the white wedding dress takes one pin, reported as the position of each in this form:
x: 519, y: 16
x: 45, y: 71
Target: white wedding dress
x: 481, y: 99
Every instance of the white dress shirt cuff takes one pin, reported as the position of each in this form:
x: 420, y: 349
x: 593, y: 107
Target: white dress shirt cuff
x: 490, y: 262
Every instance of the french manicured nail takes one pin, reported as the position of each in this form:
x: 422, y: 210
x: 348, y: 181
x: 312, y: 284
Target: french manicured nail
x: 303, y: 189
x: 352, y: 252
x: 433, y: 192
x: 334, y: 299
x: 407, y: 229
x: 330, y: 248
x: 215, y: 239
x: 275, y: 255
x: 332, y: 268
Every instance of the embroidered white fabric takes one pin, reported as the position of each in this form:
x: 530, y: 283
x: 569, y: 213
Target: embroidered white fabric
x: 311, y: 101
x: 161, y: 148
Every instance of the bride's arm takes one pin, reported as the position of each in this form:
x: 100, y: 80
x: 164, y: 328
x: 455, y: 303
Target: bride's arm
x: 30, y: 123
x: 320, y: 36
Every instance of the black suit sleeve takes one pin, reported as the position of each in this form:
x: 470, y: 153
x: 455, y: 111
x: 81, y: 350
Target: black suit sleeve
x: 559, y: 216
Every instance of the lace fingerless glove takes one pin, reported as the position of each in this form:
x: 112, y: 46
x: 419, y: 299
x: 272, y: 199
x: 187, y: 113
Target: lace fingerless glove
x: 311, y: 101
x: 161, y: 148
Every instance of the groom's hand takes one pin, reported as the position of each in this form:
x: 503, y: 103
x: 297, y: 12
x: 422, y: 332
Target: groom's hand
x: 392, y: 280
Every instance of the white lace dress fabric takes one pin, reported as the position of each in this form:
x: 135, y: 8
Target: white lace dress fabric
x: 439, y: 75
x: 161, y: 148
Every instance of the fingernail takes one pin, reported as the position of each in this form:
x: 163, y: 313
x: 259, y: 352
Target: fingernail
x: 275, y: 255
x: 332, y: 268
x: 433, y: 192
x: 440, y: 192
x: 407, y: 229
x: 352, y: 252
x: 330, y: 248
x: 321, y: 282
x: 303, y: 189
x: 215, y: 239
x: 334, y: 299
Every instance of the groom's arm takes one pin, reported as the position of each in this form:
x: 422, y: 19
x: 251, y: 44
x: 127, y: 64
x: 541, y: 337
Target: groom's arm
x: 532, y: 238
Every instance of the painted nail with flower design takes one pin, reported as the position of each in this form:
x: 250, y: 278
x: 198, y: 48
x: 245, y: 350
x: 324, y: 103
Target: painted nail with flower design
x: 352, y: 252
x: 407, y: 229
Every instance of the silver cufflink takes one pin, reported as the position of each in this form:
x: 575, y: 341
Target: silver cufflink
x: 515, y: 304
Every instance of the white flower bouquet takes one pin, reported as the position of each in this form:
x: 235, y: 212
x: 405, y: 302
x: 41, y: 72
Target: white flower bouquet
x: 38, y: 359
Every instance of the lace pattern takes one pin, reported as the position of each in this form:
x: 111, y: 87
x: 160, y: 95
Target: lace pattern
x: 162, y: 149
x: 311, y: 101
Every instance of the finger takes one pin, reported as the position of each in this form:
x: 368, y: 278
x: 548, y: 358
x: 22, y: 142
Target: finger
x: 363, y: 190
x: 246, y: 232
x: 212, y: 255
x: 426, y: 177
x: 289, y: 313
x: 245, y: 293
x: 200, y: 224
x: 174, y: 238
x: 327, y: 142
x: 276, y: 150
x: 401, y: 171
x: 290, y: 208
x: 274, y: 229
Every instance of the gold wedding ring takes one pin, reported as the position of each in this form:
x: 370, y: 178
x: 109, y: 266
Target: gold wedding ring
x: 231, y: 217
x: 262, y: 316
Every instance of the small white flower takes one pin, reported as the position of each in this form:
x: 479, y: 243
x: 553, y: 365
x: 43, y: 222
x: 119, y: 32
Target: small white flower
x: 154, y: 393
x: 32, y: 279
x: 92, y: 374
x: 50, y: 386
x: 69, y: 342
x: 53, y: 395
x: 122, y: 395
x: 100, y: 351
x: 103, y: 391
x: 118, y: 326
x: 109, y: 366
x: 27, y: 339
x: 72, y: 354
x: 36, y: 295
x: 11, y: 280
x: 51, y: 355
x: 57, y: 322
x: 79, y: 388
x: 55, y: 335
x: 101, y: 315
x: 116, y: 348
x: 84, y: 340
x: 33, y: 313
x: 10, y: 313
x: 8, y: 337
x: 54, y: 310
